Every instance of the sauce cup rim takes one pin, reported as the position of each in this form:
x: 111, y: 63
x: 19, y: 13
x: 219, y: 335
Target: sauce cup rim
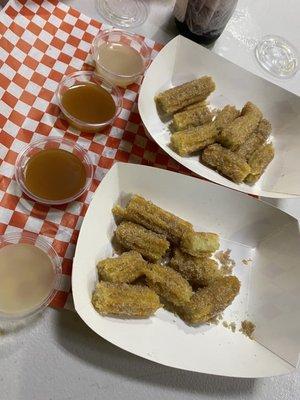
x: 20, y: 166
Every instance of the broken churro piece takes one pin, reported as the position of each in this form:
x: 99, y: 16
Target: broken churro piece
x: 121, y: 299
x: 168, y: 284
x: 198, y: 271
x: 135, y: 237
x: 255, y: 140
x: 124, y: 269
x: 193, y: 139
x: 236, y: 133
x: 210, y: 301
x: 226, y: 162
x: 173, y: 100
x: 197, y: 243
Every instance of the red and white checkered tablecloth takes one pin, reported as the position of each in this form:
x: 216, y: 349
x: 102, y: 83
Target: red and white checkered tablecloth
x: 40, y: 42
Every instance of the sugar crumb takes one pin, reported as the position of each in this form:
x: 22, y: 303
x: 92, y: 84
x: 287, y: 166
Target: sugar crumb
x: 216, y: 319
x: 225, y: 324
x: 227, y: 263
x: 232, y: 326
x: 229, y: 325
x: 246, y: 261
x: 247, y: 328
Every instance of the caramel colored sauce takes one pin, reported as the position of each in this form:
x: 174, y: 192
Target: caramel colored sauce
x: 26, y: 277
x: 89, y: 103
x: 54, y: 174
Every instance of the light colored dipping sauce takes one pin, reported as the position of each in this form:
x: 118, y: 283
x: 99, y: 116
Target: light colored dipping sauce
x: 26, y: 278
x: 54, y: 174
x: 88, y: 103
x: 119, y: 63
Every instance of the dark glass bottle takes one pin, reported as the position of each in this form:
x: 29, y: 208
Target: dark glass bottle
x: 203, y: 20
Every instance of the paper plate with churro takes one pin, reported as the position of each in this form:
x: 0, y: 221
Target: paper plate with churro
x: 199, y: 278
x: 221, y: 121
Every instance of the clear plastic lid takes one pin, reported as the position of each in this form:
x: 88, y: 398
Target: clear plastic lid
x: 123, y: 13
x: 277, y: 56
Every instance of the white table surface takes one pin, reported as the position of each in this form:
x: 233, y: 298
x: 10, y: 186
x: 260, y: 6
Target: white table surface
x: 57, y: 357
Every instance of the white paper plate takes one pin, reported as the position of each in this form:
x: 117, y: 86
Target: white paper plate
x: 182, y: 60
x: 270, y: 286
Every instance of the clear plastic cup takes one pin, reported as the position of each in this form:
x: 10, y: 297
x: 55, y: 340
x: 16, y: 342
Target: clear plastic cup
x: 42, y: 244
x: 118, y: 36
x: 80, y: 77
x: 57, y: 143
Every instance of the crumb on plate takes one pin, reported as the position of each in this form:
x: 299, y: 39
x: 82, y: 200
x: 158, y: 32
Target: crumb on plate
x: 247, y: 328
x: 230, y: 325
x: 216, y: 319
x: 227, y: 263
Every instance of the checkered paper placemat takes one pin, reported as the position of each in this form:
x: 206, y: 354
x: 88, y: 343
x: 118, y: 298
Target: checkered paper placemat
x: 40, y: 42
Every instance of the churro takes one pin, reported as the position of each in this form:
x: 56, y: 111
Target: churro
x: 197, y: 243
x: 236, y: 133
x: 208, y: 302
x: 226, y: 116
x: 193, y: 139
x: 259, y: 161
x: 121, y: 299
x: 173, y: 100
x: 135, y: 237
x: 195, y: 105
x: 124, y: 269
x: 198, y: 271
x: 186, y: 119
x: 255, y: 140
x: 168, y: 284
x: 226, y: 162
x: 149, y: 215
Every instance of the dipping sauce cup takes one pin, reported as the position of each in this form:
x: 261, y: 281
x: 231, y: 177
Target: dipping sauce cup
x: 120, y: 57
x: 30, y: 275
x: 88, y: 102
x: 54, y: 171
